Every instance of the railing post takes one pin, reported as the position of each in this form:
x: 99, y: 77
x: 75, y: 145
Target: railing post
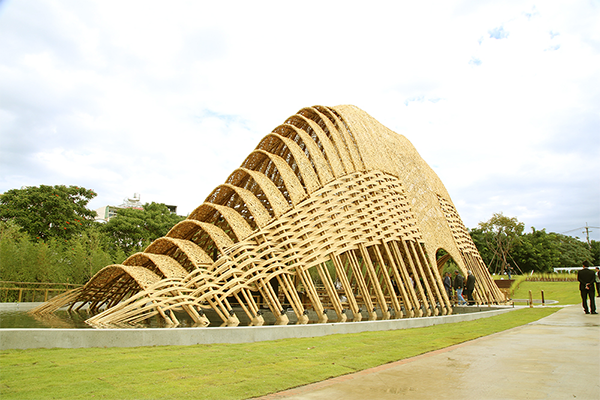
x: 530, y: 300
x: 543, y: 302
x: 27, y: 292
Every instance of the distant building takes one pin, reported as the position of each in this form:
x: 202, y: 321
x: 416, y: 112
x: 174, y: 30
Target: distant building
x: 133, y: 202
x: 104, y: 214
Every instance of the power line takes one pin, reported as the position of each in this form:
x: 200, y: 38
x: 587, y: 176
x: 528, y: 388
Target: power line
x: 586, y: 231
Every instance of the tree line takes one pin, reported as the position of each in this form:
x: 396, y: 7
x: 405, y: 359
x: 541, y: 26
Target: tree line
x: 503, y: 245
x: 47, y: 234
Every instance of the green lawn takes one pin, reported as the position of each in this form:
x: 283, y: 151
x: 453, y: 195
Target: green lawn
x: 563, y: 292
x: 226, y: 371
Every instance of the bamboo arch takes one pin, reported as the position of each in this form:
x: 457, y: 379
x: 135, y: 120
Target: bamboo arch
x: 332, y: 213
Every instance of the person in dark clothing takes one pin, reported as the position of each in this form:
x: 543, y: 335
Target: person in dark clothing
x: 458, y: 287
x: 587, y: 278
x: 470, y: 288
x: 598, y: 281
x: 395, y: 286
x: 448, y: 285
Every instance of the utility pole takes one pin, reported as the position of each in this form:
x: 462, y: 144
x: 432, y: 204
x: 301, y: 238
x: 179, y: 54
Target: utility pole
x: 587, y: 234
x: 586, y: 231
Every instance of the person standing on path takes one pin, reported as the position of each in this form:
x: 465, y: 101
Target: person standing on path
x: 470, y: 287
x: 458, y: 287
x: 587, y: 278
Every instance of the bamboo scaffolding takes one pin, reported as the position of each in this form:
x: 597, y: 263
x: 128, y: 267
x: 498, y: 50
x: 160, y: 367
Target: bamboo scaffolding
x: 331, y: 212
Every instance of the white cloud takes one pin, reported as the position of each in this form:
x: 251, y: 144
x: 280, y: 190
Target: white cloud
x: 500, y: 98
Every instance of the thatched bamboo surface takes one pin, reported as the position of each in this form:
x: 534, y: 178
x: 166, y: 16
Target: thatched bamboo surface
x: 332, y: 212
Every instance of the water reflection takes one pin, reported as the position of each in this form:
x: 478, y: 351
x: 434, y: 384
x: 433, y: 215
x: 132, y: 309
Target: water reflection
x: 60, y: 319
x: 63, y: 319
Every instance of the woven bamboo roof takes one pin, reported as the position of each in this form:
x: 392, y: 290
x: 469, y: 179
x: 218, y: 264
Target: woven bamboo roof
x: 331, y: 210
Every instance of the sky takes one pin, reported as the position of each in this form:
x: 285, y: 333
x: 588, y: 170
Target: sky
x: 166, y: 99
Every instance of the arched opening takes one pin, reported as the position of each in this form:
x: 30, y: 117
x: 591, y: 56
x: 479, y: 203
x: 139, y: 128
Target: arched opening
x: 445, y: 262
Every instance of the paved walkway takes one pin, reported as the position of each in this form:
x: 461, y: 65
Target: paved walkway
x: 557, y: 357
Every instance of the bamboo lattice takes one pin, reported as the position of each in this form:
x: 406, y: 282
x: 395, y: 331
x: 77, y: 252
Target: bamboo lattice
x: 332, y: 213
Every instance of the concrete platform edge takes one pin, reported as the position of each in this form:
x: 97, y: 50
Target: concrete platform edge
x: 86, y: 338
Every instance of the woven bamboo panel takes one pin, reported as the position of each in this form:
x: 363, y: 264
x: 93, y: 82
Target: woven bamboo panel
x: 331, y: 215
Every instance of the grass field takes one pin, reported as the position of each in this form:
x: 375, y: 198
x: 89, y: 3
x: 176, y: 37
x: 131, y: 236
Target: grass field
x: 563, y: 292
x: 227, y: 371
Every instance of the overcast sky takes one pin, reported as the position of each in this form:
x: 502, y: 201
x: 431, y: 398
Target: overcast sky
x: 166, y: 99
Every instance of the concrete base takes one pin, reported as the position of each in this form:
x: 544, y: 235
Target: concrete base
x: 78, y: 338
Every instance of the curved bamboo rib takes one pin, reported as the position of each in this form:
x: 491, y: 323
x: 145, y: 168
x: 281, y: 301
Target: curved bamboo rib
x: 332, y: 215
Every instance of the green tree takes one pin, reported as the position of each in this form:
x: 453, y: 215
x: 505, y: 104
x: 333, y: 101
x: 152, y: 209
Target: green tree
x: 501, y: 235
x: 73, y: 260
x: 481, y: 240
x: 18, y: 254
x: 595, y: 250
x: 48, y: 211
x: 131, y: 230
x: 572, y: 251
x: 84, y: 255
x: 537, y: 251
